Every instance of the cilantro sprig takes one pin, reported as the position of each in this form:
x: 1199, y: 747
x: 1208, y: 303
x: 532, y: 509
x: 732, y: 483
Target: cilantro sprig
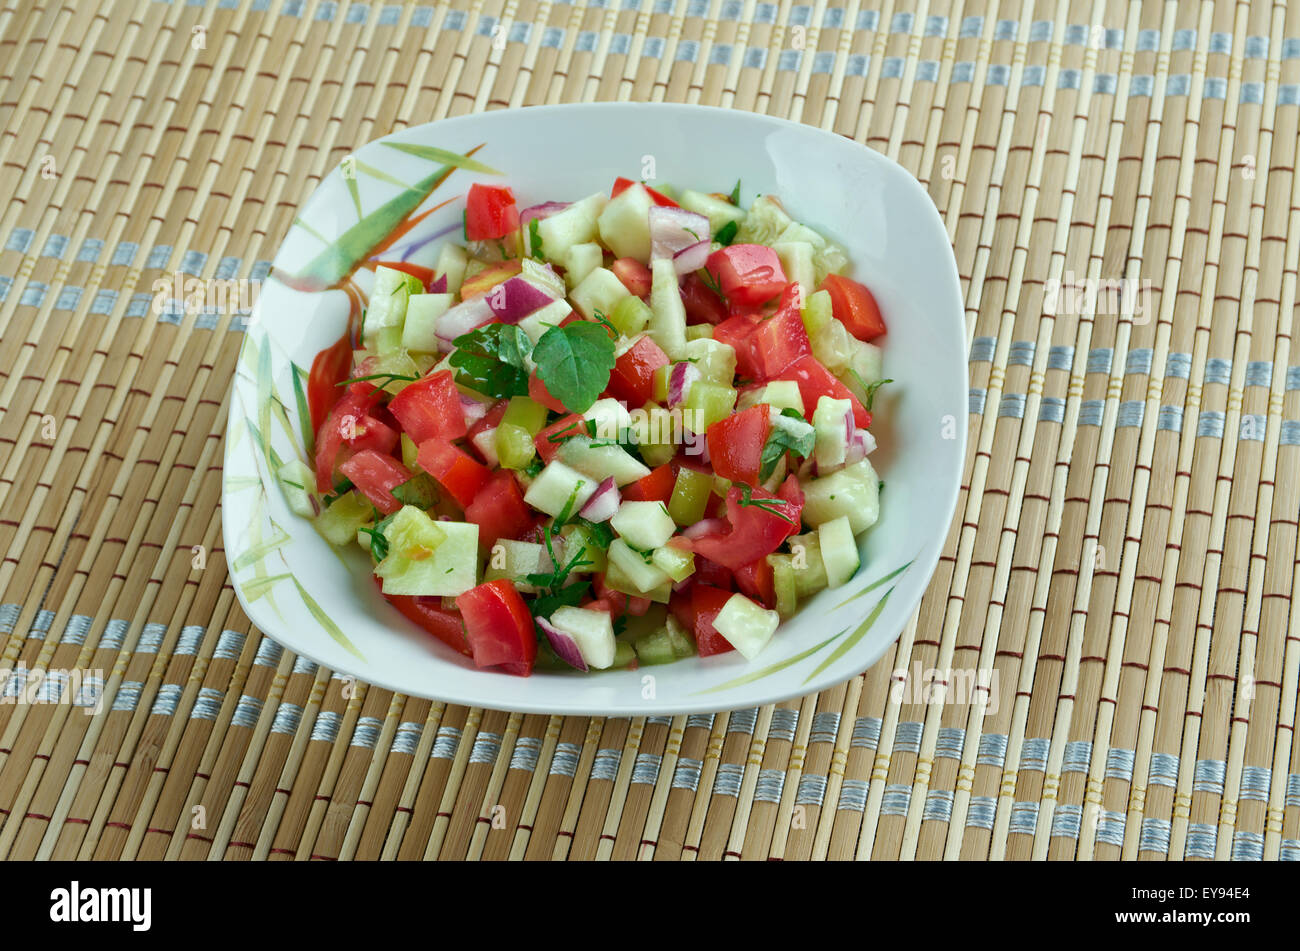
x: 574, y: 362
x: 534, y: 239
x: 491, y: 360
x: 378, y: 540
x: 780, y: 442
x: 386, y: 377
x: 771, y: 506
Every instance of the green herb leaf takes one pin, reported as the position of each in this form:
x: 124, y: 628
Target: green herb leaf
x: 599, y: 534
x: 779, y: 443
x: 772, y: 506
x: 871, y: 392
x: 386, y: 377
x: 378, y: 541
x: 340, y: 489
x: 735, y: 194
x: 711, y: 282
x: 574, y: 362
x: 491, y: 360
x: 420, y: 490
x: 534, y: 467
x: 534, y: 239
x: 727, y: 233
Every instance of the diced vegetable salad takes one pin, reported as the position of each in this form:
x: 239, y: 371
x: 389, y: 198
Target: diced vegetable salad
x: 609, y: 432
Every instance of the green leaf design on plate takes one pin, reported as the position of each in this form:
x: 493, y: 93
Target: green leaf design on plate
x: 771, y: 668
x: 327, y: 622
x: 304, y: 413
x: 341, y: 257
x: 435, y: 154
x: 873, y: 586
x: 259, y: 551
x: 849, y: 642
x: 257, y: 588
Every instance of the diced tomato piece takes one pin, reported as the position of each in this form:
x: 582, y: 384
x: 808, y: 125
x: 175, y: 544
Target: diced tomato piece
x: 681, y: 606
x: 476, y: 285
x: 499, y: 510
x: 375, y: 476
x: 490, y: 212
x: 702, y: 305
x: 738, y: 333
x: 620, y: 602
x: 755, y: 530
x: 430, y: 407
x: 736, y: 444
x: 656, y: 487
x: 418, y: 271
x: 538, y: 392
x: 328, y: 369
x: 488, y: 422
x: 499, y: 627
x: 455, y: 471
x: 429, y: 614
x: 634, y: 275
x: 341, y: 424
x: 854, y: 306
x: 781, y: 339
x: 747, y: 273
x: 815, y: 381
x: 758, y: 581
x: 548, y: 441
x: 707, y: 601
x: 632, y: 379
x: 370, y: 432
x: 659, y: 198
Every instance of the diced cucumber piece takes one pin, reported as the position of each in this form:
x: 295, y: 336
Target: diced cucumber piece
x: 514, y: 446
x: 806, y: 561
x: 674, y: 562
x: 644, y: 525
x: 485, y: 441
x: 834, y: 346
x: 718, y: 212
x: 682, y: 640
x: 690, y: 496
x: 797, y: 261
x: 297, y: 481
x: 832, y: 437
x: 715, y: 360
x: 853, y: 491
x: 514, y: 560
x: 558, y: 487
x: 643, y: 575
x: 783, y: 583
x: 410, y: 452
x: 610, y: 416
x: 630, y: 316
x: 427, y: 557
x: 395, y: 363
x: 542, y: 320
x: 601, y: 460
x: 783, y: 394
x: 764, y: 222
x: 698, y: 332
x: 577, y: 540
x: 581, y: 260
x: 618, y: 580
x: 600, y: 291
x: 525, y: 412
x: 542, y: 276
x: 746, y: 626
x: 668, y: 321
x: 655, y: 648
x: 624, y: 654
x: 625, y: 223
x: 866, y: 366
x: 817, y: 311
x: 339, y: 522
x: 422, y: 310
x: 839, y: 551
x: 382, y: 328
x: 709, y: 403
x: 574, y: 225
x: 452, y: 260
x: 655, y: 431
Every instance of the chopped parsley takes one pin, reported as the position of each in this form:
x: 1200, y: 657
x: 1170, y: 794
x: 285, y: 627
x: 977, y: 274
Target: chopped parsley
x: 574, y: 362
x: 491, y: 360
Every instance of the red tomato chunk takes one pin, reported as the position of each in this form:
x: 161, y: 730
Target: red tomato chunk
x: 499, y: 627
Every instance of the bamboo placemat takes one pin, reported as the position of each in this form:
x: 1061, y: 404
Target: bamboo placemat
x: 1122, y: 568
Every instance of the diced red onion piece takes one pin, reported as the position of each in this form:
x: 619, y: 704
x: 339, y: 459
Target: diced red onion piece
x: 461, y: 319
x: 673, y: 229
x: 473, y: 409
x: 438, y: 285
x: 513, y: 300
x: 679, y: 381
x: 861, y: 445
x: 603, y: 503
x: 705, y: 526
x: 691, y: 258
x: 563, y: 645
x: 544, y: 210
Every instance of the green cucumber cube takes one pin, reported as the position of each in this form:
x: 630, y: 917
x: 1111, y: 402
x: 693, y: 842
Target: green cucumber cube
x: 558, y: 487
x: 643, y: 575
x: 839, y: 551
x: 382, y: 328
x: 644, y: 525
x: 600, y: 460
x: 747, y: 626
x: 592, y: 631
x: 601, y: 290
x: 340, y: 522
x: 625, y: 223
x: 427, y: 557
x: 422, y: 313
x: 574, y: 225
x: 853, y: 492
x: 668, y: 313
x: 581, y: 260
x: 719, y: 212
x: 514, y: 561
x: 297, y: 481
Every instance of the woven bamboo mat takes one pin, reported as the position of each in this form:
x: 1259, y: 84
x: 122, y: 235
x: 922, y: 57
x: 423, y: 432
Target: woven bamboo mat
x: 1123, y: 562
